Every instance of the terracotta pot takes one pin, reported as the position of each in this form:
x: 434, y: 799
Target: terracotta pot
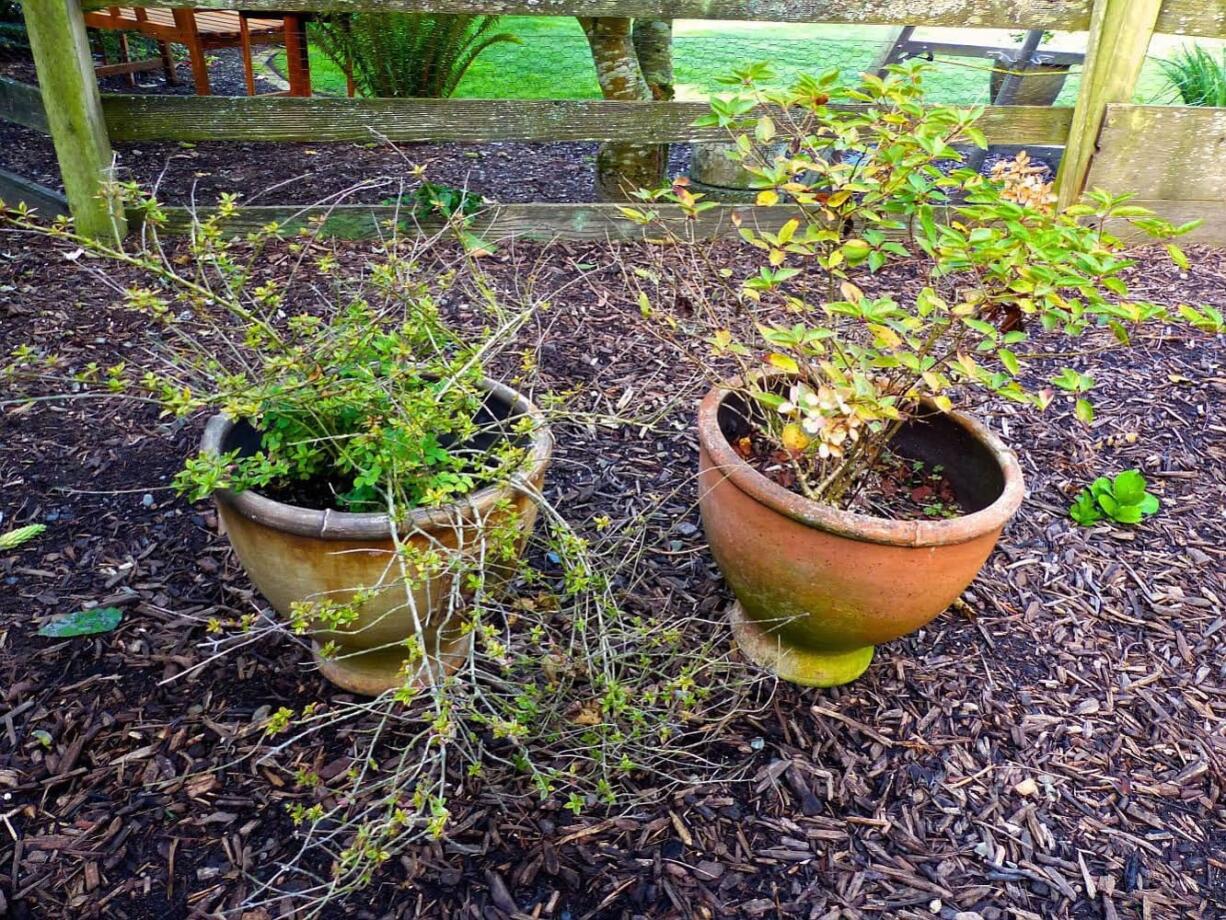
x: 295, y: 554
x: 817, y: 587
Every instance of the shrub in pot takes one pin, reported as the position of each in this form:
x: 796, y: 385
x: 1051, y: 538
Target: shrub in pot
x: 368, y: 474
x: 846, y: 501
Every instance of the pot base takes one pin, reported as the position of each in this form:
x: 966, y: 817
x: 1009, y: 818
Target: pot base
x: 796, y: 665
x: 373, y: 673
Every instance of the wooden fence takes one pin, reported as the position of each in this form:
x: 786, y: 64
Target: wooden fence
x: 1173, y: 157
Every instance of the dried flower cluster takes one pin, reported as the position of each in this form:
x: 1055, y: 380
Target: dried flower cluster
x: 1022, y: 183
x: 824, y: 415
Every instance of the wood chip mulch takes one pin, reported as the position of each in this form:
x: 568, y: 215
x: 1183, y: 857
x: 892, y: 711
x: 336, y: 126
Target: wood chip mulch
x: 1053, y: 746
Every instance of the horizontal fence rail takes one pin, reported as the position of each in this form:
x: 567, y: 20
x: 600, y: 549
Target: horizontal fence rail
x: 540, y: 222
x: 1171, y: 157
x: 15, y: 189
x: 22, y: 104
x: 1185, y: 17
x: 317, y: 120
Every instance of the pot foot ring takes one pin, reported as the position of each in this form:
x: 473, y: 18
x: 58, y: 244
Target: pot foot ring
x: 373, y: 673
x: 807, y: 667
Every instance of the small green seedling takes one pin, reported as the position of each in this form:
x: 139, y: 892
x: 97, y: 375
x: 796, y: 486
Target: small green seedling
x: 1122, y: 499
x: 15, y: 538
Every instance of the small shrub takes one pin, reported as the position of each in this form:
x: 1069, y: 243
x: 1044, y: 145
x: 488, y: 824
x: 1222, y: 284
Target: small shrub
x: 1123, y: 499
x: 1199, y: 78
x: 370, y: 395
x: 873, y: 174
x: 578, y: 686
x: 407, y: 54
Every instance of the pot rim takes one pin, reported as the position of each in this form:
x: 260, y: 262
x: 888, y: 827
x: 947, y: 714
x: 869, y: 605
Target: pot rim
x: 862, y: 527
x: 330, y: 524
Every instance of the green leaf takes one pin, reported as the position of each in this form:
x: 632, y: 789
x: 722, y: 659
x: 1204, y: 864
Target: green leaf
x: 769, y: 399
x: 1129, y: 487
x: 15, y: 538
x: 1084, y: 410
x: 1107, y: 502
x: 1067, y: 379
x: 82, y: 623
x: 1126, y: 514
x: 1084, y: 509
x: 1177, y: 256
x: 1149, y: 504
x: 1100, y: 485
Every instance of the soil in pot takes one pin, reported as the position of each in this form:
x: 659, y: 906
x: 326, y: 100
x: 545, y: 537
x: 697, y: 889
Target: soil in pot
x: 898, y: 488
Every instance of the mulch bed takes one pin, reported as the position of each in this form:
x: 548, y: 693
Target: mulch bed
x: 1053, y: 746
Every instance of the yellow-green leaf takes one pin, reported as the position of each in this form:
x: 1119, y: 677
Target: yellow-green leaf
x: 794, y: 437
x: 783, y: 362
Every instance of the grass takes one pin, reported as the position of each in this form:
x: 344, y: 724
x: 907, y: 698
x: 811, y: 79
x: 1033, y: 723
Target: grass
x: 553, y: 62
x: 1197, y: 76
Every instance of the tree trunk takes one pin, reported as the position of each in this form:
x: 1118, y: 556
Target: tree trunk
x: 621, y: 168
x: 653, y: 44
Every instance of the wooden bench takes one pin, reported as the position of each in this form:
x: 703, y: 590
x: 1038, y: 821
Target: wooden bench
x: 201, y: 31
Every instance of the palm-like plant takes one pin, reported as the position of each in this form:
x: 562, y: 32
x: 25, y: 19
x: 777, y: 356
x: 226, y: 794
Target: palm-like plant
x: 1199, y: 78
x: 407, y: 54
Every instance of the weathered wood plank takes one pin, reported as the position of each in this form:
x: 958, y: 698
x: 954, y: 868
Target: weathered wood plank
x: 321, y: 119
x: 597, y: 222
x: 1163, y: 152
x: 21, y: 103
x: 1193, y: 17
x: 65, y: 69
x: 15, y: 189
x: 1120, y: 32
x: 541, y: 222
x: 1181, y: 17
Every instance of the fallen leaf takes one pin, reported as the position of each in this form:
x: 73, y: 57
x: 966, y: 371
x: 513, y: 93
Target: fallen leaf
x: 82, y: 623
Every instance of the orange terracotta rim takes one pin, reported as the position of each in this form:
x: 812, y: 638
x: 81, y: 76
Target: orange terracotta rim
x: 329, y: 524
x: 863, y: 527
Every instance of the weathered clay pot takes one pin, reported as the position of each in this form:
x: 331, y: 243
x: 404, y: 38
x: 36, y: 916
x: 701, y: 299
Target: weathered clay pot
x: 1042, y: 84
x: 720, y: 177
x: 295, y: 554
x: 817, y: 587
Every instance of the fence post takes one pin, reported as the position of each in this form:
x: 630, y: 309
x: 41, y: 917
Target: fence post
x: 1120, y: 31
x: 74, y: 114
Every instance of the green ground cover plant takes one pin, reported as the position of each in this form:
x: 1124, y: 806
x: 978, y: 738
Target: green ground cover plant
x: 1122, y: 498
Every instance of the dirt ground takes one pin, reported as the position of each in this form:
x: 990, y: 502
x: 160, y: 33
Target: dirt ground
x: 1053, y: 747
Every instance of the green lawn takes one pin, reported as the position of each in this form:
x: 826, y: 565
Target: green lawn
x: 552, y: 61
